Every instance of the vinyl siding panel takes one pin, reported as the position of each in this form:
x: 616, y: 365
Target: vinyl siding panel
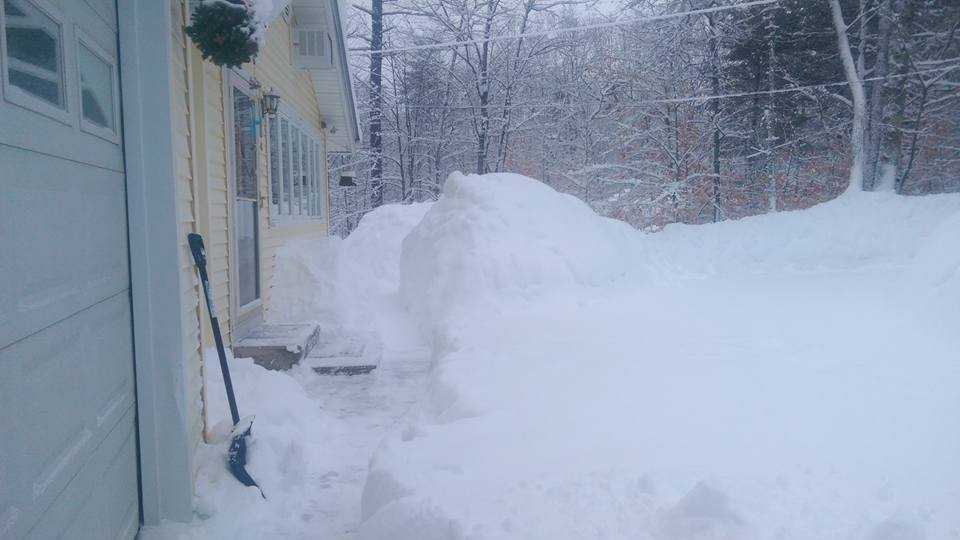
x: 187, y: 223
x: 218, y: 211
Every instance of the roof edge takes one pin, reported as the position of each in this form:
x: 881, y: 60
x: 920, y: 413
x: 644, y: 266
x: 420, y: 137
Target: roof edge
x: 347, y: 80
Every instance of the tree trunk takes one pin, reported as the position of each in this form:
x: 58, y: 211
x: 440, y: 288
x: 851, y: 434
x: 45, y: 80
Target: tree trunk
x: 483, y: 130
x: 715, y: 109
x: 854, y: 79
x: 376, y: 103
x: 878, y: 101
x: 768, y: 135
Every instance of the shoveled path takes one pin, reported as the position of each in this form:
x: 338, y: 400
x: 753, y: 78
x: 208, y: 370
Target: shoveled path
x: 362, y: 409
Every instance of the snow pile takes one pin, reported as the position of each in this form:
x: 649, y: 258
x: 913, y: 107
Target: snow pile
x: 783, y: 393
x: 506, y: 235
x: 287, y: 450
x: 343, y: 282
x: 860, y: 230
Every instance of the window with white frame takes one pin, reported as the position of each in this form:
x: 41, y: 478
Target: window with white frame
x: 297, y: 191
x: 33, y: 50
x: 98, y: 99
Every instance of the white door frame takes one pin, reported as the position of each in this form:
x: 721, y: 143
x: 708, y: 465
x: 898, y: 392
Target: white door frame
x: 243, y: 318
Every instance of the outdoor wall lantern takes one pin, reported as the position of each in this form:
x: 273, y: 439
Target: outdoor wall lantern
x: 270, y: 103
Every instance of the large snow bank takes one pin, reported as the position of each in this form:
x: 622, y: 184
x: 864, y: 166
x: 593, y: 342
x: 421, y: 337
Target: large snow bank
x: 783, y: 393
x: 506, y: 235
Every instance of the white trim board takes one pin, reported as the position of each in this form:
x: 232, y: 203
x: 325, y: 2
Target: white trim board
x: 166, y: 479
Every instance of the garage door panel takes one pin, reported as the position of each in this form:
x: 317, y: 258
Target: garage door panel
x: 65, y: 243
x: 106, y: 11
x: 83, y: 509
x: 97, y: 20
x: 20, y: 131
x: 68, y: 450
x: 68, y: 387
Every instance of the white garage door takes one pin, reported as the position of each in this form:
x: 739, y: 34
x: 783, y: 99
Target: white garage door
x: 67, y: 408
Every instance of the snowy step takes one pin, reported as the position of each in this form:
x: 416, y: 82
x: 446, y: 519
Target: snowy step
x: 344, y: 355
x: 278, y: 346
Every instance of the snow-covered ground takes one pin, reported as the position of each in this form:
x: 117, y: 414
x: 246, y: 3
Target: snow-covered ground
x: 793, y: 375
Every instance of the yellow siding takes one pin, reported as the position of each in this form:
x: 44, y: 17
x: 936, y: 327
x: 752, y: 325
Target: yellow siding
x: 202, y: 167
x: 295, y: 87
x: 186, y: 218
x: 218, y: 212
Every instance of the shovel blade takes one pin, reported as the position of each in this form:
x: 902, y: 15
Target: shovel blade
x: 237, y: 460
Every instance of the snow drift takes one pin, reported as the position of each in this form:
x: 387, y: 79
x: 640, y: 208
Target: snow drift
x: 286, y: 450
x: 506, y: 235
x: 586, y: 387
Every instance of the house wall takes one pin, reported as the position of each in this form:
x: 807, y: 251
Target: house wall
x: 186, y: 201
x: 204, y: 196
x: 274, y: 68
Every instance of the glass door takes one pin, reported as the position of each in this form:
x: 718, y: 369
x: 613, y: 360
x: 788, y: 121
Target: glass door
x: 247, y: 214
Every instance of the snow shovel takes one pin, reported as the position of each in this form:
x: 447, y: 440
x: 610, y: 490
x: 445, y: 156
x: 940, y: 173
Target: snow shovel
x: 237, y: 455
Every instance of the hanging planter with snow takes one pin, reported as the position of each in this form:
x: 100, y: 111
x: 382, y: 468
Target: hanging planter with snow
x: 225, y: 31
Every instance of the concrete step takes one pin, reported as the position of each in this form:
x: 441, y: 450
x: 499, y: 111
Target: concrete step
x: 344, y: 355
x: 278, y: 346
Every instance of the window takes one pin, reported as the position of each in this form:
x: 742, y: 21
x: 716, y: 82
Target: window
x: 245, y: 145
x: 34, y: 53
x: 297, y: 190
x: 321, y: 182
x: 96, y: 88
x: 312, y: 199
x: 304, y: 176
x: 285, y: 160
x: 295, y: 156
x: 276, y: 178
x: 247, y: 215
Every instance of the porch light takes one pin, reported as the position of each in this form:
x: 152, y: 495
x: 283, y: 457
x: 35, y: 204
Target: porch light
x: 270, y: 103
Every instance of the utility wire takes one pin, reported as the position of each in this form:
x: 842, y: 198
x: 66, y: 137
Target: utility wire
x: 685, y: 99
x: 555, y: 31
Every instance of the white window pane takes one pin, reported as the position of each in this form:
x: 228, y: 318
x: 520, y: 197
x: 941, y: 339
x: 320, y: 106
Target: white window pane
x: 313, y: 179
x: 248, y: 263
x: 321, y: 183
x: 304, y: 175
x: 318, y: 181
x: 34, y: 52
x: 96, y: 89
x: 317, y: 184
x: 245, y: 149
x: 287, y: 188
x: 275, y: 179
x: 295, y: 142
